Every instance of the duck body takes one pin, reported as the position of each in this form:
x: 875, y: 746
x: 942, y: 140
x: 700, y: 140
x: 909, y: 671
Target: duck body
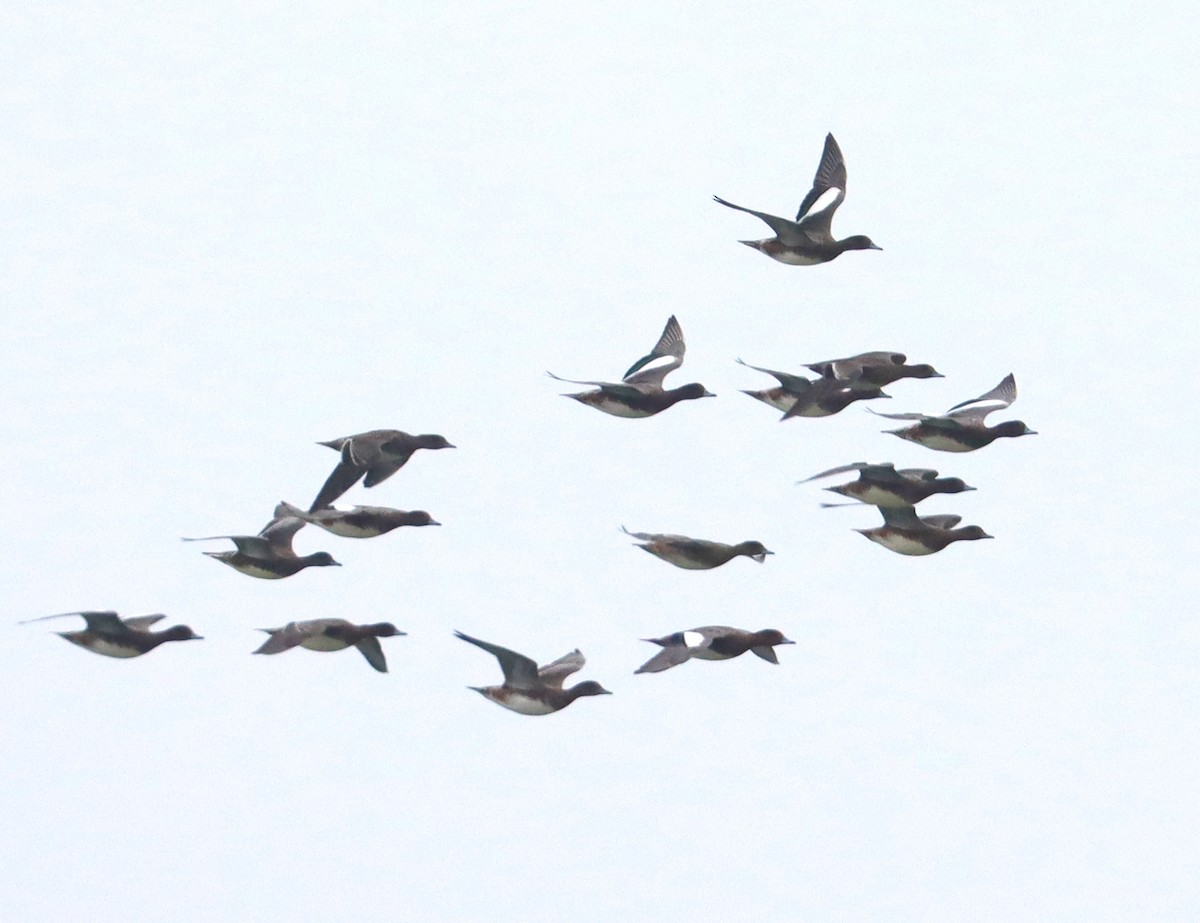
x: 882, y: 485
x: 963, y: 428
x: 809, y: 240
x: 712, y: 642
x: 371, y: 457
x: 360, y: 521
x: 528, y: 689
x: 109, y: 635
x: 327, y: 635
x: 641, y: 392
x: 904, y: 532
x: 268, y: 555
x: 696, y: 553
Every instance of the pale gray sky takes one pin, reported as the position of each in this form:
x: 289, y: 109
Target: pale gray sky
x: 228, y: 233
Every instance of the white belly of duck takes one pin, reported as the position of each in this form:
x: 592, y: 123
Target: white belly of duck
x: 344, y: 529
x: 900, y: 543
x: 108, y: 648
x: 619, y: 409
x: 813, y: 409
x: 796, y: 259
x: 524, y: 705
x: 253, y: 570
x: 324, y: 643
x: 879, y: 496
x: 937, y: 441
x: 679, y: 559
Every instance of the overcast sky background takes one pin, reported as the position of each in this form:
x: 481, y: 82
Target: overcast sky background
x: 230, y: 232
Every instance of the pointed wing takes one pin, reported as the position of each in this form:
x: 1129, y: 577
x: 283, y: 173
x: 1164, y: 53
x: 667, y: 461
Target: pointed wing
x: 290, y: 635
x: 143, y: 622
x: 789, y: 382
x: 553, y: 673
x: 93, y: 619
x: 520, y: 672
x: 617, y: 389
x: 1004, y: 394
x: 970, y: 416
x: 384, y: 469
x: 340, y: 480
x: 942, y: 520
x: 669, y: 346
x: 656, y: 536
x: 278, y: 534
x: 901, y: 517
x: 789, y: 232
x: 369, y: 647
x: 830, y: 175
x: 924, y: 417
x: 665, y: 659
x: 918, y: 474
x: 882, y: 471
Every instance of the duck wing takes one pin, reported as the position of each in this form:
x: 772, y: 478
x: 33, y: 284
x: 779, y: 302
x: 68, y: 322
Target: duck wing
x: 885, y: 471
x: 788, y: 231
x: 553, y: 673
x: 789, y: 382
x: 371, y: 649
x: 670, y: 346
x: 143, y: 622
x: 1003, y: 394
x: 520, y: 672
x: 830, y: 175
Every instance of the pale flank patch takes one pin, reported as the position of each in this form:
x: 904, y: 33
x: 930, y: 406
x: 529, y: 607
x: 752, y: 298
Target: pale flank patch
x: 111, y: 649
x: 901, y: 544
x: 524, y: 705
x: 674, y: 556
x: 877, y: 496
x: 796, y: 259
x: 813, y: 410
x: 323, y: 642
x: 942, y: 444
x: 254, y: 570
x: 617, y: 409
x: 345, y: 529
x: 693, y: 638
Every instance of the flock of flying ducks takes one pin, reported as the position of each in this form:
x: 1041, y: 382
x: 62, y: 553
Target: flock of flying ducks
x: 374, y: 456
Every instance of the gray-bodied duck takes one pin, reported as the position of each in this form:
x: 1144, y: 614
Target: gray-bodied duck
x: 883, y: 485
x: 269, y: 554
x: 332, y: 635
x: 360, y: 521
x: 373, y: 457
x: 112, y: 636
x: 904, y: 532
x: 963, y: 428
x: 798, y: 396
x: 641, y: 393
x: 878, y: 368
x: 713, y: 642
x: 696, y: 553
x: 809, y: 239
x: 530, y: 690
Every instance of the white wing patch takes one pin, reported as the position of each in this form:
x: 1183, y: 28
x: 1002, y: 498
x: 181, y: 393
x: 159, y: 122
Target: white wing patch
x: 824, y: 200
